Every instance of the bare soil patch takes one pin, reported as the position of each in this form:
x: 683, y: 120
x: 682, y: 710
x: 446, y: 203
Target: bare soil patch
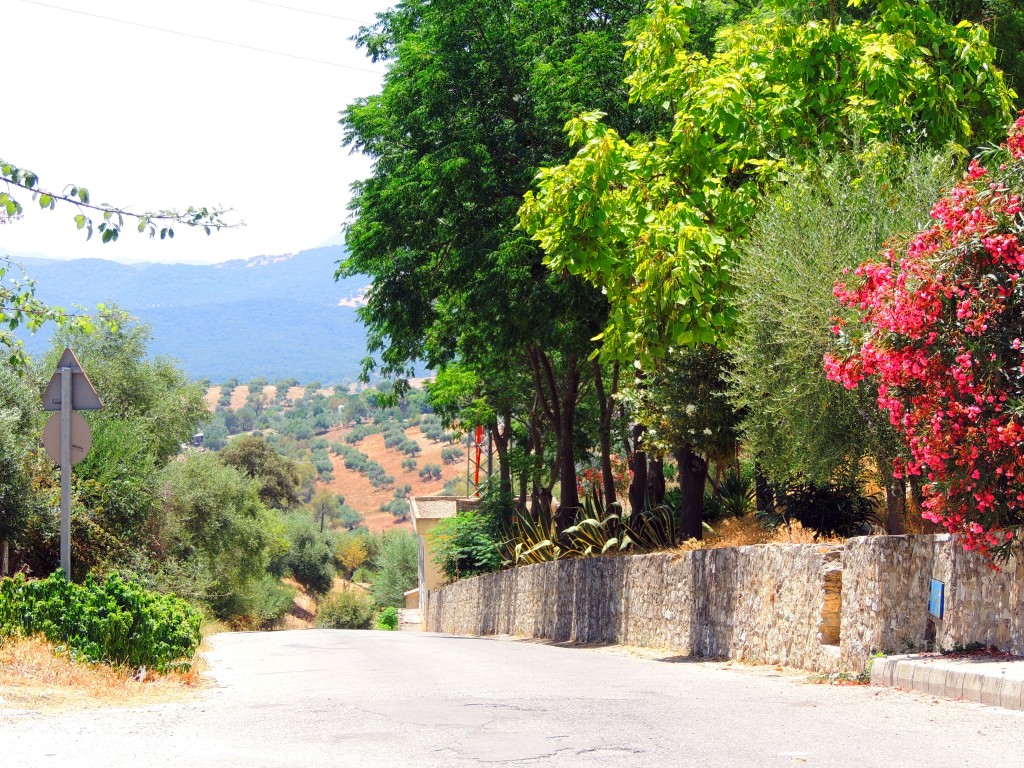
x: 362, y: 496
x: 240, y: 393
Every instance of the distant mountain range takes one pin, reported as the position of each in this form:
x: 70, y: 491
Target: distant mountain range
x: 272, y: 316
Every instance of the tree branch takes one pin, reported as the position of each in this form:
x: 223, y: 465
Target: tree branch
x: 113, y: 217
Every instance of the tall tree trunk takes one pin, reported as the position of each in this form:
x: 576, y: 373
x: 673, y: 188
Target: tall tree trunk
x: 764, y: 496
x: 895, y: 496
x: 656, y: 482
x: 605, y: 430
x: 692, y: 471
x: 524, y: 475
x: 895, y: 505
x: 538, y: 500
x: 500, y: 437
x: 638, y: 484
x: 568, y: 490
x: 5, y: 557
x: 559, y: 406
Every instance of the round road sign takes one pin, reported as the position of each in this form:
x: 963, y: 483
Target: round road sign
x: 81, y: 437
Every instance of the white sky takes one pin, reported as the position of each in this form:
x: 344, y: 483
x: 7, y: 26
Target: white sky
x: 147, y: 119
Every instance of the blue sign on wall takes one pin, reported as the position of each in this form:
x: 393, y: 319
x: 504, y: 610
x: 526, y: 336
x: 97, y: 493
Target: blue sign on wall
x: 937, y: 599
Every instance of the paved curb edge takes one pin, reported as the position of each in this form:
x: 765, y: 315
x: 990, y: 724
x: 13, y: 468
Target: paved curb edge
x: 987, y: 684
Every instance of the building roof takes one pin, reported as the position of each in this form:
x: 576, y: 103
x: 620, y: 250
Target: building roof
x: 439, y: 507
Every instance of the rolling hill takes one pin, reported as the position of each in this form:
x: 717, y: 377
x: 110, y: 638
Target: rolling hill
x: 272, y: 316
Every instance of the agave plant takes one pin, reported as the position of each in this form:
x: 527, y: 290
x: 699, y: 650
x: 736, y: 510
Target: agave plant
x: 602, y: 530
x: 736, y: 492
x: 530, y: 540
x: 608, y: 530
x: 655, y: 529
x: 597, y: 530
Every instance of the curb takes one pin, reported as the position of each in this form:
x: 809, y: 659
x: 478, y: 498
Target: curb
x: 995, y: 683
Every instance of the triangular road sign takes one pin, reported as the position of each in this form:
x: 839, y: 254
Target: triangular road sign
x: 83, y: 394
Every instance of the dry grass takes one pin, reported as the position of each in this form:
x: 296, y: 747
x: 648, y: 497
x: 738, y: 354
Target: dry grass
x: 33, y: 676
x: 744, y: 531
x: 213, y: 627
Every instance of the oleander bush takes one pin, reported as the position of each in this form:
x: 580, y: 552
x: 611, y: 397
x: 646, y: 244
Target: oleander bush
x: 933, y: 328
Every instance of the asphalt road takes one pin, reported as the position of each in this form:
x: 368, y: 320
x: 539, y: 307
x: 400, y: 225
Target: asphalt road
x: 336, y: 698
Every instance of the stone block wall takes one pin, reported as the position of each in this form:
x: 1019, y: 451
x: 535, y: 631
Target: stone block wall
x: 886, y: 581
x: 764, y: 604
x: 816, y: 607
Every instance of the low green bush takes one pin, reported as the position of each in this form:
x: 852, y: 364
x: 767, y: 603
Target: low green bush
x: 113, y: 621
x: 351, y: 609
x: 269, y: 602
x: 388, y: 619
x: 362, y: 575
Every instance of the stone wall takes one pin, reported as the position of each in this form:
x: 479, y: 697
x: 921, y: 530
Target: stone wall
x: 761, y: 604
x: 816, y: 607
x: 886, y: 582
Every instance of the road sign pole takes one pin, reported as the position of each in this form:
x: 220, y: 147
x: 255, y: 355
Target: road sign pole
x: 65, y: 471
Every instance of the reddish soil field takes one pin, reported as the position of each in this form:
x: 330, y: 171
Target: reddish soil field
x: 362, y: 496
x: 240, y: 393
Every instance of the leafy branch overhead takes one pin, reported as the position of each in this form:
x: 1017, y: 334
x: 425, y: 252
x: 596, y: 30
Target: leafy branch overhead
x: 654, y: 222
x: 19, y: 306
x: 112, y: 218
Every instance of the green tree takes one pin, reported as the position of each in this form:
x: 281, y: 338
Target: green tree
x: 466, y: 545
x: 215, y: 432
x: 396, y: 568
x: 326, y: 504
x: 656, y: 222
x: 309, y: 557
x: 831, y: 218
x: 688, y: 415
x: 1004, y: 20
x: 472, y: 105
x: 278, y: 476
x: 150, y: 408
x: 349, y: 518
x: 18, y: 407
x: 154, y: 392
x: 213, y: 531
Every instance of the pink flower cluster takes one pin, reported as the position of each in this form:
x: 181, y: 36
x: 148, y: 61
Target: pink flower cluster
x: 939, y: 336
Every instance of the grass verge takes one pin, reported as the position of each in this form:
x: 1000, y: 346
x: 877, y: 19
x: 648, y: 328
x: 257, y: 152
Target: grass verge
x: 34, y: 676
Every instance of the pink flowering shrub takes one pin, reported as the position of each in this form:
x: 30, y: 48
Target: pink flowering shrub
x: 939, y: 333
x: 590, y: 480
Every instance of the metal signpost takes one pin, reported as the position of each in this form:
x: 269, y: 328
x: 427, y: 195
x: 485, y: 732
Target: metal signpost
x: 69, y: 390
